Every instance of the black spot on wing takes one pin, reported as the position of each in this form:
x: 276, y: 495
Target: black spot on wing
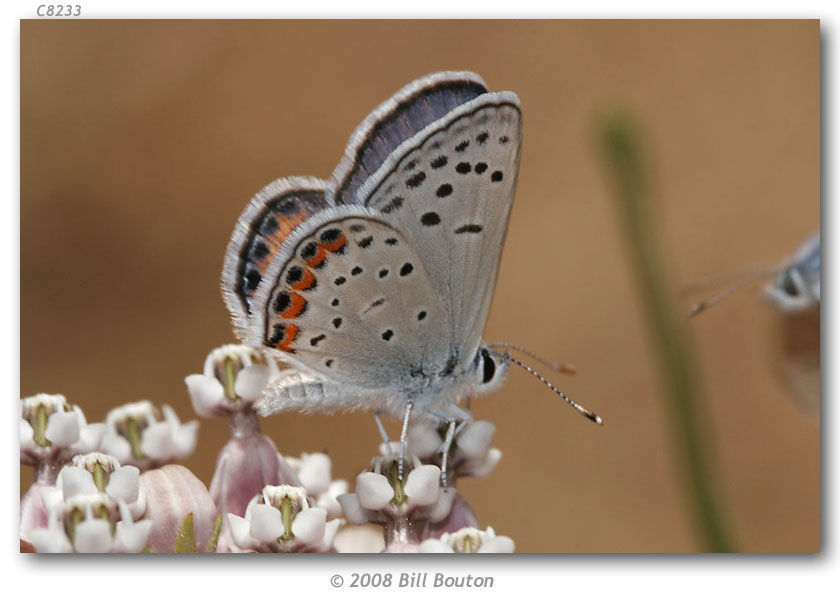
x: 430, y: 218
x: 415, y: 180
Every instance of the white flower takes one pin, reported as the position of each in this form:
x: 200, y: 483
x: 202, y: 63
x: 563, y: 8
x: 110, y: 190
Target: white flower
x: 403, y: 506
x: 282, y: 519
x: 138, y: 434
x: 52, y: 431
x: 472, y: 455
x: 469, y: 540
x: 90, y: 523
x: 380, y: 498
x: 234, y: 378
x: 96, y: 472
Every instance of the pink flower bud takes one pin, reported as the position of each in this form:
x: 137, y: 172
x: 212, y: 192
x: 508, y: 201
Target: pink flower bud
x: 172, y: 492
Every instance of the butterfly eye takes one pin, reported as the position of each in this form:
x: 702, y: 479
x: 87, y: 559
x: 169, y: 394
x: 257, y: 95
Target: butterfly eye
x: 488, y: 366
x: 789, y: 286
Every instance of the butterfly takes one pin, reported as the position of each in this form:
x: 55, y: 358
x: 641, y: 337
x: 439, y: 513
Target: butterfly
x: 794, y: 291
x: 375, y: 285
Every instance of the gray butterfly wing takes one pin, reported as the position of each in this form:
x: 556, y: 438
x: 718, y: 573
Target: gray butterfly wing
x: 450, y: 188
x: 414, y: 107
x: 347, y: 297
x: 268, y: 220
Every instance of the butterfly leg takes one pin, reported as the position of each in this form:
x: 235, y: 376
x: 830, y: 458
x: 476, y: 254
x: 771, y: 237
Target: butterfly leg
x: 404, y: 437
x: 381, y: 427
x: 447, y: 445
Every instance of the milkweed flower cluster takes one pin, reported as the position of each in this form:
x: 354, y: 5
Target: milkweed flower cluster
x: 115, y: 487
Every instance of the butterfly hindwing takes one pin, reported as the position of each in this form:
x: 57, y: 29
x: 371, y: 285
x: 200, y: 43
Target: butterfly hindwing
x: 349, y: 298
x: 270, y: 217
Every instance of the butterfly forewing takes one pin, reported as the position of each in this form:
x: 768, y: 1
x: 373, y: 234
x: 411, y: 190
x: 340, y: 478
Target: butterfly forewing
x: 414, y: 107
x: 450, y: 188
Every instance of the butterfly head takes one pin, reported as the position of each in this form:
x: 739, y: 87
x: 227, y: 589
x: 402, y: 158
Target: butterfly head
x: 489, y: 370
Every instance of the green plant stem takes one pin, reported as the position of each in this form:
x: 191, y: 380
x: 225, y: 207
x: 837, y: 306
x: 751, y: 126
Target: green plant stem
x: 620, y: 143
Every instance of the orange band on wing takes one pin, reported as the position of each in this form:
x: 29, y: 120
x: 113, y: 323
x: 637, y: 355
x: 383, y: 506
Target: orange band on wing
x: 335, y: 245
x: 289, y: 336
x: 297, y: 304
x: 319, y: 258
x: 306, y: 282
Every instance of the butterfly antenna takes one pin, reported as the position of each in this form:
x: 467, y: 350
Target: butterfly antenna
x: 581, y: 409
x: 759, y: 272
x: 560, y: 367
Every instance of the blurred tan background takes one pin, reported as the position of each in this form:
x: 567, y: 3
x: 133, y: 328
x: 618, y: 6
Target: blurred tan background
x: 141, y: 142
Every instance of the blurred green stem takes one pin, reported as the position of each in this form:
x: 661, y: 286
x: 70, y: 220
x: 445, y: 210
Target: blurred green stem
x: 620, y: 142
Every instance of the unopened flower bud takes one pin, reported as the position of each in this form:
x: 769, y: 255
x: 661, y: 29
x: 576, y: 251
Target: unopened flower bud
x: 172, y: 494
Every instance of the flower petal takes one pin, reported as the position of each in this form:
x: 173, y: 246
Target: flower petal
x: 63, y: 428
x: 309, y: 525
x: 90, y: 437
x: 352, y: 509
x: 185, y: 438
x: 117, y: 446
x: 315, y: 473
x: 423, y: 485
x: 266, y: 523
x: 475, y: 439
x: 443, y: 507
x: 50, y: 539
x: 251, y: 381
x: 365, y: 539
x: 157, y: 442
x: 124, y: 484
x: 423, y: 439
x: 206, y: 393
x: 435, y: 546
x: 26, y: 435
x: 75, y: 480
x: 374, y: 490
x: 501, y: 544
x: 239, y: 529
x: 93, y: 535
x: 330, y: 532
x: 132, y: 537
x: 482, y: 468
